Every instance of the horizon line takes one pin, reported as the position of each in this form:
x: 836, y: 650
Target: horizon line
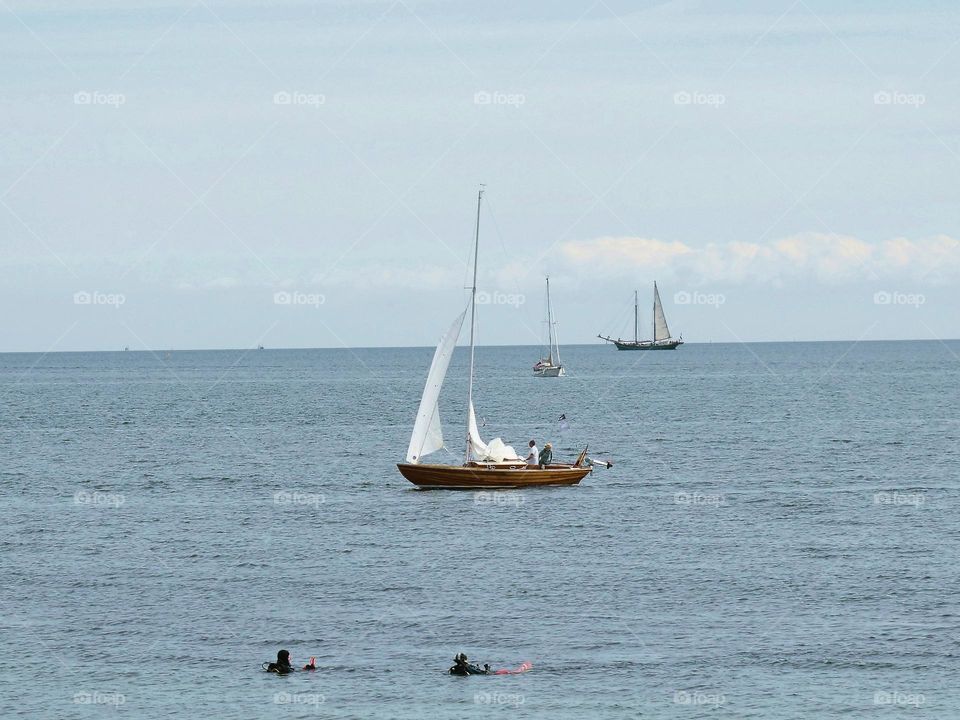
x: 419, y: 347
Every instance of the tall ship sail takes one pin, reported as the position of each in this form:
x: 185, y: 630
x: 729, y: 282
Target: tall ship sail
x: 490, y: 464
x: 662, y: 340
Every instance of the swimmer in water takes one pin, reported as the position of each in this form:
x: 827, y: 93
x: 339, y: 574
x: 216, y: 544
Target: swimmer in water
x: 463, y: 667
x: 282, y: 666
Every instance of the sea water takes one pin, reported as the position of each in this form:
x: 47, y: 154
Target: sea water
x: 777, y: 537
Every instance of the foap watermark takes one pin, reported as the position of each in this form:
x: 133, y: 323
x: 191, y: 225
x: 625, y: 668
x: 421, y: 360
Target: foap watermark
x: 500, y: 298
x: 684, y: 97
x: 99, y: 698
x: 285, y: 97
x: 284, y: 297
x: 288, y: 698
x: 498, y: 498
x: 696, y: 297
x: 292, y: 497
x: 895, y: 697
x: 485, y: 97
x: 892, y: 97
x: 96, y: 97
x: 695, y: 697
x: 99, y: 298
x: 498, y: 698
x: 98, y: 499
x: 698, y: 498
x: 884, y: 297
x: 899, y: 498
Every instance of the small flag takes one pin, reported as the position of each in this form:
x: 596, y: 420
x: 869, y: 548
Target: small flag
x: 564, y: 425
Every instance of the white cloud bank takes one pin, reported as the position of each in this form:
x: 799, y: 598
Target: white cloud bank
x: 807, y: 256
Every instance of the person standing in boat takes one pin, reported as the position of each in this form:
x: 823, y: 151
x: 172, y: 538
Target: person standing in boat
x: 546, y: 455
x: 533, y: 457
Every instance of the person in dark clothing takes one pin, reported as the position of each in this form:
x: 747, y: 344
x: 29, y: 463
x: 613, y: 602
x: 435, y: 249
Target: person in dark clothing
x: 546, y: 455
x: 463, y: 667
x: 282, y: 666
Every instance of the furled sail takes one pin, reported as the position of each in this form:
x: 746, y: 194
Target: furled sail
x: 478, y: 448
x: 660, y: 329
x: 427, y: 434
x: 494, y: 451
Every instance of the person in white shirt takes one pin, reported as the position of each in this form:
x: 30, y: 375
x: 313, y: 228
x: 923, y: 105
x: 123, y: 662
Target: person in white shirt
x: 534, y: 457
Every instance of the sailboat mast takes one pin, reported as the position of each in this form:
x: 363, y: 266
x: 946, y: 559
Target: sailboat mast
x: 473, y: 318
x: 549, y: 325
x: 654, y: 326
x: 636, y: 317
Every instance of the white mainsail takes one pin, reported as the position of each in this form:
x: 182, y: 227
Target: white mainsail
x: 660, y: 329
x: 427, y: 434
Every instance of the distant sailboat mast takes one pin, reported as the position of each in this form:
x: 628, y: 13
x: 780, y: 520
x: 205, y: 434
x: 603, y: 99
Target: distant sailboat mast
x: 473, y: 317
x: 550, y: 329
x: 636, y: 316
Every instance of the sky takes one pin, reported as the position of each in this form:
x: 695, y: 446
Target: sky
x: 304, y: 173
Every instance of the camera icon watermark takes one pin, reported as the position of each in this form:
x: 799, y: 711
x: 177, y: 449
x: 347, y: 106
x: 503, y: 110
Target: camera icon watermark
x: 895, y: 297
x: 284, y: 297
x: 285, y: 97
x: 890, y: 97
x: 293, y: 497
x: 114, y: 699
x: 499, y: 698
x: 96, y: 97
x: 485, y: 97
x: 698, y: 498
x: 899, y: 498
x: 714, y: 100
x: 498, y: 498
x: 695, y: 697
x: 895, y: 697
x: 696, y: 297
x: 500, y: 298
x: 288, y: 698
x: 98, y: 499
x: 96, y: 297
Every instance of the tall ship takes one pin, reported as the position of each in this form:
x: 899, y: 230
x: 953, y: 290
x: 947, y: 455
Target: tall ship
x: 486, y: 465
x: 661, y: 333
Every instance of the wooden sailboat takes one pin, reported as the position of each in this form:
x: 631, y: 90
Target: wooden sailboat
x: 661, y: 333
x: 485, y: 465
x: 550, y: 366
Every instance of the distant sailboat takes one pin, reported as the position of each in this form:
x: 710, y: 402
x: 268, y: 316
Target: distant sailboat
x: 550, y: 366
x: 661, y: 333
x: 485, y: 465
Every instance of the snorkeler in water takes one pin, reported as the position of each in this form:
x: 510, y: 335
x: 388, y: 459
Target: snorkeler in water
x: 462, y: 667
x: 282, y: 666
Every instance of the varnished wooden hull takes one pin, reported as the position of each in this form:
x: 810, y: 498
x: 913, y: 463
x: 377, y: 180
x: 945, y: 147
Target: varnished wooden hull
x: 455, y: 477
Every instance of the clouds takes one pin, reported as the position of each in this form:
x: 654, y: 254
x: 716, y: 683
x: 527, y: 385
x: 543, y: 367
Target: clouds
x: 826, y: 258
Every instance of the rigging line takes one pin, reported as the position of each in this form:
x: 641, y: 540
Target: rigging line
x: 624, y: 317
x: 503, y: 245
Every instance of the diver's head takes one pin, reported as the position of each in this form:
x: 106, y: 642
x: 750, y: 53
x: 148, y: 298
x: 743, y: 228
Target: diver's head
x: 283, y: 657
